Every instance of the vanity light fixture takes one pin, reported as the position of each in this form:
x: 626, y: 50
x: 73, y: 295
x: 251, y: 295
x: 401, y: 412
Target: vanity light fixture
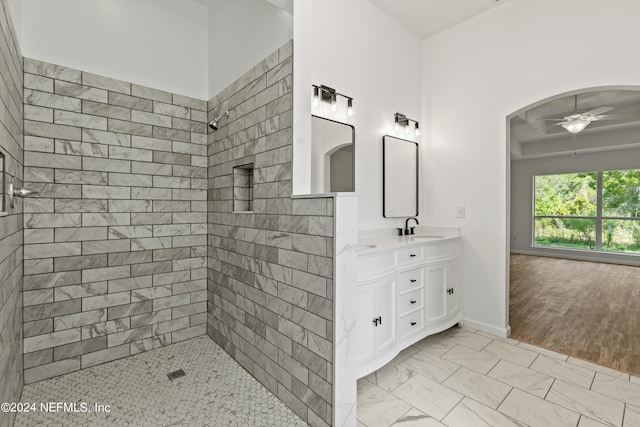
x: 402, y: 121
x: 330, y: 96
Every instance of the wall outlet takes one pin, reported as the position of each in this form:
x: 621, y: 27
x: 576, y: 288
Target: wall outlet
x: 459, y: 211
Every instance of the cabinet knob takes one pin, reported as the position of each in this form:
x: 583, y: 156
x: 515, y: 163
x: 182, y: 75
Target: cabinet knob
x: 414, y: 323
x: 377, y: 321
x: 450, y: 291
x: 412, y: 255
x: 413, y: 280
x: 413, y: 301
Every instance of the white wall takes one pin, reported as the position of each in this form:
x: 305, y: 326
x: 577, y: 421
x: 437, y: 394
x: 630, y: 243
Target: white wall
x: 522, y: 173
x: 15, y: 9
x: 242, y: 33
x: 156, y: 43
x: 361, y: 52
x: 477, y: 73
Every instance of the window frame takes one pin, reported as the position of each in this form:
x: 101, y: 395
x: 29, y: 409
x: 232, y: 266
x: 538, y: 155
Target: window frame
x: 599, y: 217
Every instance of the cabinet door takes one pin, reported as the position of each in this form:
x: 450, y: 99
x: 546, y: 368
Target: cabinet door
x: 386, y: 310
x: 452, y: 287
x: 365, y: 343
x: 435, y: 293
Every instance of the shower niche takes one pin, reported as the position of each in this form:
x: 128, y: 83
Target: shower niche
x: 243, y: 188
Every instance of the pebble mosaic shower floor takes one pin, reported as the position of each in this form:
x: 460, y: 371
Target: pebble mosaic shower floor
x: 215, y: 391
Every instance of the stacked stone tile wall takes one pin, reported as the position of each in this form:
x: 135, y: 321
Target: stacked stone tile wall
x: 115, y: 243
x: 270, y: 270
x: 11, y: 146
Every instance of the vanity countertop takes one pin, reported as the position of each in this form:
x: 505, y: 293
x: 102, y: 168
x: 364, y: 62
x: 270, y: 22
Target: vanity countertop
x: 373, y: 241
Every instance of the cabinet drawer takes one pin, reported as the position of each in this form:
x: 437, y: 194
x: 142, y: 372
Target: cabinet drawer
x: 410, y: 301
x: 410, y: 255
x: 410, y: 324
x: 411, y: 279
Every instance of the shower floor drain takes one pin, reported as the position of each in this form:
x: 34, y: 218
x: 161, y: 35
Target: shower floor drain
x: 176, y: 374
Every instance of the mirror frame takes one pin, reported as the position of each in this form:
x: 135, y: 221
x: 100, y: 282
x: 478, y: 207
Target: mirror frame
x: 353, y: 143
x: 384, y: 173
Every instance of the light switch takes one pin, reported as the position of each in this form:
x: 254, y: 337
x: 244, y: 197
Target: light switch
x: 460, y: 211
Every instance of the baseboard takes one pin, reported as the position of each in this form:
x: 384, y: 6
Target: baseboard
x: 485, y: 327
x: 613, y: 258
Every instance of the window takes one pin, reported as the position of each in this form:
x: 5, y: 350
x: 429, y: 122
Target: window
x: 593, y: 211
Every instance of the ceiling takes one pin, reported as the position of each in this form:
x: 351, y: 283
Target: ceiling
x: 427, y: 17
x: 534, y: 136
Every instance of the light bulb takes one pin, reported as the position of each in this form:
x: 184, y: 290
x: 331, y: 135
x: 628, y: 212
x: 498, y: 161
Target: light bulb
x: 334, y: 106
x: 406, y: 130
x: 349, y: 107
x: 396, y: 126
x: 576, y: 125
x: 316, y: 96
x: 417, y: 129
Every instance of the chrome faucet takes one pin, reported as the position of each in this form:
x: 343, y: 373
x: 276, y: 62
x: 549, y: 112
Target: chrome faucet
x: 407, y: 231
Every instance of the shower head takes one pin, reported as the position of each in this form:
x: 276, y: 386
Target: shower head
x: 213, y: 124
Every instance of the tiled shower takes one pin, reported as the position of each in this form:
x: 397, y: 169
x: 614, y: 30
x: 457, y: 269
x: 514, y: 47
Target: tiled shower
x: 133, y: 241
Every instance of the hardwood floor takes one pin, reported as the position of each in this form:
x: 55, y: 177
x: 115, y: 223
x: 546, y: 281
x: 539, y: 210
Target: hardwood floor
x: 583, y: 309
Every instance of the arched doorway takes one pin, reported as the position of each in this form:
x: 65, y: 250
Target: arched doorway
x: 575, y: 167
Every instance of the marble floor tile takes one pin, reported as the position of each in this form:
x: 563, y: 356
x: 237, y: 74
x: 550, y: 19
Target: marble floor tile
x: 435, y: 344
x: 542, y: 388
x: 415, y: 418
x: 466, y: 338
x: 405, y: 354
x: 430, y: 366
x: 428, y: 396
x: 565, y: 371
x: 598, y: 368
x: 535, y: 412
x: 390, y: 376
x: 495, y: 338
x: 617, y: 389
x: 631, y: 416
x: 475, y: 360
x: 139, y: 393
x: 522, y: 378
x: 586, y: 402
x: 471, y: 413
x: 478, y: 387
x: 519, y: 356
x: 548, y: 353
x: 376, y: 407
x: 588, y: 422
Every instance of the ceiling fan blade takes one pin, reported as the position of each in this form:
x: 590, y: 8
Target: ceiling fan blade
x: 618, y: 116
x: 598, y: 111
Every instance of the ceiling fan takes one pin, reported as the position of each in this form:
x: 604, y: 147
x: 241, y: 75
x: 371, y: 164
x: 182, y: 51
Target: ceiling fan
x: 575, y: 123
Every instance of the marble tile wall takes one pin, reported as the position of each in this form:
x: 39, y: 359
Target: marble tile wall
x: 11, y: 254
x: 270, y: 280
x: 115, y: 243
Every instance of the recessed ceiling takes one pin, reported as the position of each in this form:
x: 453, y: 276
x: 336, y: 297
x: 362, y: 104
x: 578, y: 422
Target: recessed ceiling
x: 536, y: 132
x: 428, y: 17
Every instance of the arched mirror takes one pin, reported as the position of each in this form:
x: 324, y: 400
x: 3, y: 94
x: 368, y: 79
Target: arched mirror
x: 332, y: 156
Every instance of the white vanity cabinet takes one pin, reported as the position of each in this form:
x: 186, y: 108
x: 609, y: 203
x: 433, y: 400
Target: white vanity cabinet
x: 405, y: 292
x: 376, y: 303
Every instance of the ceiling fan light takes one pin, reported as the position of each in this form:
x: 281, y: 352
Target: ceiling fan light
x: 575, y: 125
